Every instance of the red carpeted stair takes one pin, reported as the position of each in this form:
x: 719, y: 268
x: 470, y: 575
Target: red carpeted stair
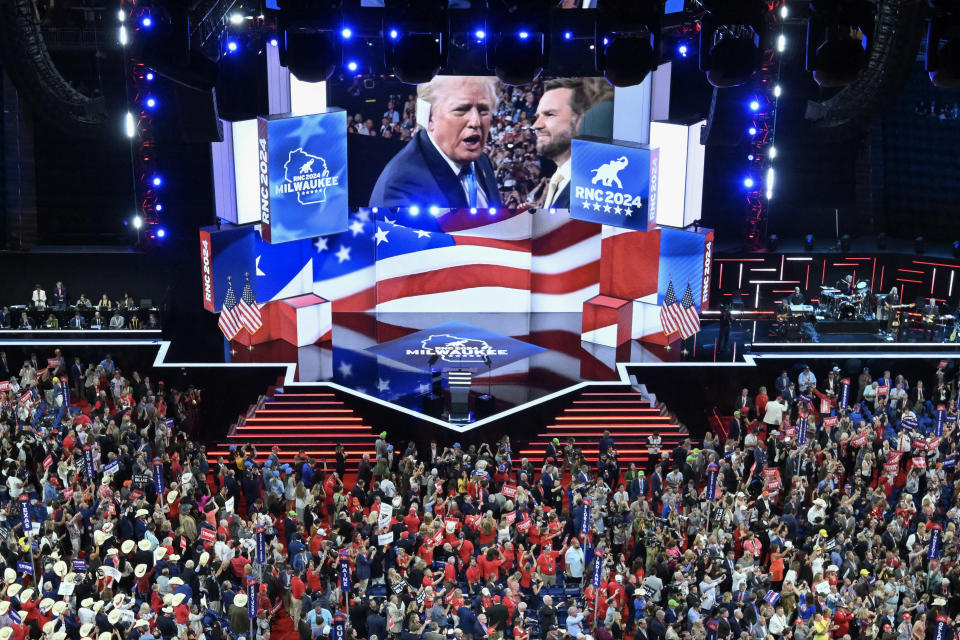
x: 282, y: 627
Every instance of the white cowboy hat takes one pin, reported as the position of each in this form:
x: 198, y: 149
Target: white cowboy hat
x: 59, y: 608
x: 104, y: 636
x: 107, y: 527
x: 167, y: 598
x: 14, y: 589
x: 187, y: 477
x: 112, y: 551
x: 59, y: 635
x: 175, y: 580
x: 70, y: 577
x: 240, y: 600
x: 86, y: 602
x: 4, y: 607
x: 97, y: 606
x: 114, y: 616
x: 172, y: 496
x: 158, y: 553
x: 85, y: 629
x: 144, y: 545
x: 118, y: 600
x: 820, y: 502
x: 48, y: 627
x: 140, y: 570
x: 99, y: 537
x: 26, y: 595
x: 60, y: 568
x: 5, y: 633
x: 142, y: 512
x: 127, y: 546
x: 9, y: 575
x: 204, y: 558
x: 141, y: 623
x: 167, y: 609
x: 46, y: 604
x: 173, y: 557
x: 178, y: 599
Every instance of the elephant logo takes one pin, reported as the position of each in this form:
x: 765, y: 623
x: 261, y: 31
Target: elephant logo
x: 609, y: 173
x: 308, y: 166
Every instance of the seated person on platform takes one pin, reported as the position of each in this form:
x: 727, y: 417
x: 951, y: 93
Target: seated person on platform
x: 5, y: 318
x: 796, y: 297
x: 39, y: 298
x: 83, y: 301
x: 845, y: 286
x: 104, y: 303
x: 52, y: 322
x: 24, y: 321
x: 135, y: 322
x: 930, y: 311
x: 60, y: 296
x: 76, y: 322
x: 153, y: 322
x: 97, y: 321
x: 117, y: 321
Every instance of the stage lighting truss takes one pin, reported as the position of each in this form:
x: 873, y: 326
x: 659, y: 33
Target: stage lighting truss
x: 415, y: 38
x: 733, y: 36
x: 942, y: 62
x: 627, y: 43
x: 517, y: 39
x: 839, y: 36
x: 310, y: 36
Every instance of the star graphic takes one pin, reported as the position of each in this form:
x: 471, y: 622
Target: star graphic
x: 617, y: 210
x: 388, y: 220
x: 363, y: 215
x: 606, y: 208
x: 381, y: 236
x: 320, y: 244
x: 422, y: 234
x: 596, y: 206
x: 628, y: 211
x: 423, y: 388
x: 343, y: 254
x: 383, y: 385
x: 307, y: 129
x: 586, y: 204
x: 259, y: 272
x: 356, y: 227
x: 362, y: 390
x: 345, y: 369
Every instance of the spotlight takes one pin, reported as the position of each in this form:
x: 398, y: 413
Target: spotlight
x: 473, y: 211
x: 627, y: 43
x: 346, y: 33
x: 157, y: 181
x: 434, y: 210
x: 161, y: 232
x: 414, y: 210
x: 568, y: 35
x: 881, y: 241
x: 351, y: 66
x: 808, y: 242
x: 732, y: 37
x: 123, y: 39
x: 158, y: 207
x: 844, y: 31
x: 480, y: 34
x: 772, y: 153
x: 754, y: 106
x: 493, y: 211
x: 310, y: 39
x: 146, y: 22
x: 129, y: 126
x: 516, y: 59
x: 956, y: 249
x: 919, y: 245
x: 752, y: 131
x: 748, y: 182
x: 232, y: 46
x: 416, y: 49
x: 236, y: 19
x: 683, y: 50
x: 137, y: 222
x: 845, y: 243
x: 773, y: 242
x: 149, y: 75
x: 273, y: 42
x: 151, y: 103
x: 943, y: 62
x: 777, y: 91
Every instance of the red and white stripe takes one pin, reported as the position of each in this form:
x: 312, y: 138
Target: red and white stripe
x: 250, y: 316
x: 565, y: 263
x: 689, y: 321
x: 229, y: 323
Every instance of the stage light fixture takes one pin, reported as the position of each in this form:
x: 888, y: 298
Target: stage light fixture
x: 158, y: 207
x: 418, y: 35
x: 480, y: 34
x: 772, y: 153
x: 956, y: 249
x: 683, y: 50
x: 122, y: 36
x: 232, y: 45
x: 161, y: 232
x: 919, y: 245
x: 748, y: 182
x: 845, y: 243
x: 236, y: 19
x: 882, y: 241
x: 516, y: 59
x: 151, y: 103
x: 352, y: 66
x: 146, y: 22
x: 149, y: 76
x: 414, y: 210
x: 137, y: 222
x: 808, y: 242
x: 754, y: 105
x: 733, y: 35
x: 839, y: 34
x: 310, y: 38
x: 627, y: 41
x: 942, y: 63
x: 157, y: 181
x: 773, y: 242
x: 129, y: 126
x: 568, y: 35
x: 752, y: 131
x: 273, y: 42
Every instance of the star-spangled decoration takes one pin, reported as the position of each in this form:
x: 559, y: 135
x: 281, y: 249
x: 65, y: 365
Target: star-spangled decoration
x: 606, y: 208
x: 356, y: 227
x: 343, y: 254
x: 586, y: 204
x: 422, y: 234
x: 345, y: 369
x: 306, y: 130
x: 423, y: 388
x: 381, y: 236
x: 388, y: 220
x: 628, y: 211
x: 363, y: 215
x: 617, y: 210
x: 320, y: 244
x: 596, y: 206
x: 362, y: 390
x: 259, y: 272
x: 383, y: 385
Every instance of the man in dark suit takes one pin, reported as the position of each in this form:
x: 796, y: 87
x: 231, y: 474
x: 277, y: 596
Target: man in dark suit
x: 743, y: 403
x: 4, y: 366
x: 445, y: 164
x: 559, y: 113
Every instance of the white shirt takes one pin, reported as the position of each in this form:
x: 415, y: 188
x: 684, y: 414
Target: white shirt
x: 39, y: 298
x: 563, y: 171
x: 456, y: 167
x: 774, y: 412
x: 574, y: 559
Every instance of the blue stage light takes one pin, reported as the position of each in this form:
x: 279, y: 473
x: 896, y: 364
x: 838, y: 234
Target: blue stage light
x: 523, y: 35
x: 480, y: 34
x: 414, y: 210
x: 158, y: 207
x: 748, y: 182
x: 346, y: 33
x: 752, y: 131
x: 351, y: 66
x: 273, y: 42
x: 750, y: 157
x: 157, y: 181
x: 394, y: 34
x: 754, y: 106
x: 161, y: 232
x: 232, y: 45
x: 493, y: 211
x: 434, y: 210
x: 568, y: 35
x: 149, y: 75
x: 374, y: 210
x: 151, y: 103
x: 146, y: 22
x: 473, y: 211
x: 553, y: 209
x: 683, y: 50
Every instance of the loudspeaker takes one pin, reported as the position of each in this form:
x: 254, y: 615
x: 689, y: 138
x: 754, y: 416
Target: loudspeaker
x: 199, y: 120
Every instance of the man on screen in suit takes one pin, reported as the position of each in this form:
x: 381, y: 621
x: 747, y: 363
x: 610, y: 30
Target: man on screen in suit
x: 561, y: 108
x: 445, y: 164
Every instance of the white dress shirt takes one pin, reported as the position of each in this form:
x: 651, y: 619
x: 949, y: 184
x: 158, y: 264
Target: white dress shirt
x: 39, y: 298
x: 559, y: 182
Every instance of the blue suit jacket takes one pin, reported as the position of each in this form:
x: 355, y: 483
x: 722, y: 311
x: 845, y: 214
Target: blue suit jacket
x: 420, y: 175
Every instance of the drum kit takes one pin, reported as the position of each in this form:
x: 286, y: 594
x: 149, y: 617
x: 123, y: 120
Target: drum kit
x: 837, y: 306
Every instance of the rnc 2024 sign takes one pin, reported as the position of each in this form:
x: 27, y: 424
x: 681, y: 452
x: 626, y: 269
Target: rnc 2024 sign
x: 614, y: 183
x: 303, y: 175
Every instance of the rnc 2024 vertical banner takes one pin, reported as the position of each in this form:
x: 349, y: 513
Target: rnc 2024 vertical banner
x: 303, y: 175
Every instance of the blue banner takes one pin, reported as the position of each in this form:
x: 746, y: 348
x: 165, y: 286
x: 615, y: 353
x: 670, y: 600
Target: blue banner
x: 941, y: 420
x: 772, y: 597
x: 251, y: 598
x: 585, y: 524
x: 261, y: 544
x: 338, y: 631
x: 802, y: 422
x: 344, y: 573
x: 936, y: 543
x: 597, y: 570
x: 168, y: 423
x: 712, y: 626
x: 25, y: 519
x: 942, y: 630
x: 712, y: 481
x: 614, y: 183
x: 845, y: 394
x: 158, y: 476
x: 111, y: 468
x: 950, y: 462
x: 79, y: 565
x: 303, y: 175
x: 24, y: 567
x: 88, y: 462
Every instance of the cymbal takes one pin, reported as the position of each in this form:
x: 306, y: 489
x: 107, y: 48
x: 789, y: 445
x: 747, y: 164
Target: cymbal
x: 826, y: 289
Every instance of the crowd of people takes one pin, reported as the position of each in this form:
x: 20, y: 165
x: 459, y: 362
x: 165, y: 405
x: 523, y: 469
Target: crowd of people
x: 58, y: 310
x: 830, y: 513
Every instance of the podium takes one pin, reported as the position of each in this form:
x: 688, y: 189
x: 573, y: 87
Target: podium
x: 459, y: 383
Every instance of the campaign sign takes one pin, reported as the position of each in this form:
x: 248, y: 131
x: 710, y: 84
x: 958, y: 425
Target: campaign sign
x: 585, y: 524
x: 455, y: 345
x: 261, y: 544
x: 24, y: 567
x: 303, y: 175
x: 942, y: 630
x: 344, y: 573
x: 25, y: 519
x: 158, y: 475
x: 597, y: 571
x: 251, y: 598
x: 79, y: 565
x: 936, y: 542
x: 338, y: 631
x: 712, y: 481
x: 845, y: 393
x: 111, y: 468
x: 802, y: 423
x: 940, y: 420
x: 614, y: 183
x: 88, y: 462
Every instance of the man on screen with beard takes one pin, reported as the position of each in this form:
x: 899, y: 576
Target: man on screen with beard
x: 445, y: 164
x: 559, y: 114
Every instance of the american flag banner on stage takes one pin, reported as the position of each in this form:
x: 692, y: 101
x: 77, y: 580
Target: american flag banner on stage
x: 689, y: 317
x: 248, y: 310
x: 670, y: 312
x: 230, y: 322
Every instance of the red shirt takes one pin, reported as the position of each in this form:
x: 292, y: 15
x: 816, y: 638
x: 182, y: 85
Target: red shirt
x: 297, y: 588
x: 489, y: 569
x: 547, y: 562
x: 466, y: 551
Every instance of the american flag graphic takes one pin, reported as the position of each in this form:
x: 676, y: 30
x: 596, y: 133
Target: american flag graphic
x: 248, y: 310
x: 455, y: 260
x: 670, y: 312
x: 230, y: 322
x: 689, y: 318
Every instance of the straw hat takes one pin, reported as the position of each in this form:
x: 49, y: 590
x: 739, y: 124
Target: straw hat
x: 144, y: 545
x: 127, y: 546
x: 26, y: 595
x: 172, y: 496
x: 99, y: 537
x: 70, y: 577
x: 204, y: 559
x: 175, y: 580
x: 48, y: 627
x: 46, y: 604
x: 9, y: 575
x: 142, y: 512
x: 59, y: 635
x: 240, y: 600
x: 4, y: 607
x: 5, y: 633
x: 140, y: 570
x: 112, y: 551
x: 97, y: 606
x: 141, y: 623
x: 86, y: 628
x: 14, y: 589
x: 107, y: 527
x: 167, y: 609
x: 59, y: 608
x: 158, y: 553
x: 178, y: 599
x: 104, y: 636
x: 86, y: 602
x: 60, y: 568
x: 173, y: 557
x: 118, y: 600
x: 187, y: 477
x: 167, y: 598
x: 106, y: 480
x: 114, y: 616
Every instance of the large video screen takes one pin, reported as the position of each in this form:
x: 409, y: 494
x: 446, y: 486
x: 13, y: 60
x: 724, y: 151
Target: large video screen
x: 467, y: 141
